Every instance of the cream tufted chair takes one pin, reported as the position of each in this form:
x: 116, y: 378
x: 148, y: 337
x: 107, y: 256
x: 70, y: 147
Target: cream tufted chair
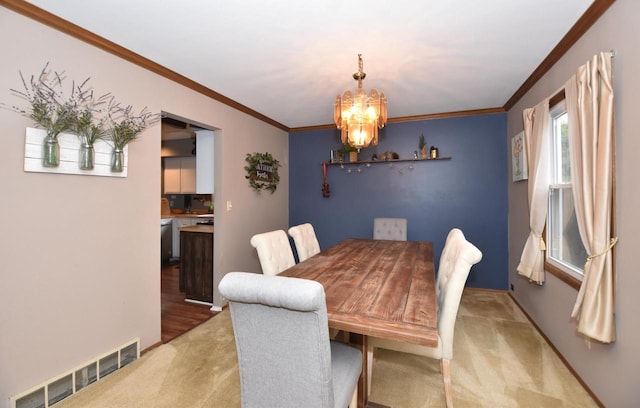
x: 456, y: 260
x: 305, y: 239
x: 274, y: 251
x: 390, y: 228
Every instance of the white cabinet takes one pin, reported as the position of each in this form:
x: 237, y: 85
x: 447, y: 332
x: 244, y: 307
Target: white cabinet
x: 180, y: 175
x: 191, y: 175
x: 178, y: 223
x: 188, y: 175
x: 204, y: 162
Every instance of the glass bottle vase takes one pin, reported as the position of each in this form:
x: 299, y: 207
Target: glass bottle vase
x: 50, y: 152
x: 87, y: 156
x: 117, y: 160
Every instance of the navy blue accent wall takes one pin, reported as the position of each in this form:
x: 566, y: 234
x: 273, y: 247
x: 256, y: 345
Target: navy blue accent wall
x: 468, y: 192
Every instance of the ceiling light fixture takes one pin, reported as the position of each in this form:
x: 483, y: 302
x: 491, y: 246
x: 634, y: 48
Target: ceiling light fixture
x: 359, y: 116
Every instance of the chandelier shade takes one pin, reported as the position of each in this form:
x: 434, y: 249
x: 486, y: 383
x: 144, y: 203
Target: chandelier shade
x: 358, y: 115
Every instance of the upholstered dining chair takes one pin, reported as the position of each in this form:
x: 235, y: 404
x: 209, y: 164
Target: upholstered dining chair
x: 305, y: 240
x: 274, y: 251
x: 285, y: 357
x: 390, y: 228
x: 456, y: 260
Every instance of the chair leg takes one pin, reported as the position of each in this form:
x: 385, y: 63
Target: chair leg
x: 333, y: 333
x: 445, y: 366
x: 354, y: 399
x: 369, y: 368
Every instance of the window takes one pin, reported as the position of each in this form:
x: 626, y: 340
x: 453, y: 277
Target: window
x: 565, y: 251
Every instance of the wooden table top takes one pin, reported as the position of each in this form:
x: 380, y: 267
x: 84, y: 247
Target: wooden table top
x: 377, y: 288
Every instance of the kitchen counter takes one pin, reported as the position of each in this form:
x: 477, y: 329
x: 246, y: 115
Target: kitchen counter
x: 198, y: 228
x: 198, y: 216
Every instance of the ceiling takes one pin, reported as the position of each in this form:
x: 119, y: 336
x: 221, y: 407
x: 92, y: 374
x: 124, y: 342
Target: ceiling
x: 288, y: 59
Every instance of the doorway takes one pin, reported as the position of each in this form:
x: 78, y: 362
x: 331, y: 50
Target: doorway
x: 179, y: 143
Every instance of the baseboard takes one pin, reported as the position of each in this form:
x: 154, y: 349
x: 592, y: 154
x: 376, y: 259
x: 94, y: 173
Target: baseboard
x: 566, y: 363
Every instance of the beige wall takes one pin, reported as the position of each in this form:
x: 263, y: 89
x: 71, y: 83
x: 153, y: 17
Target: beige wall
x: 80, y: 255
x: 611, y: 371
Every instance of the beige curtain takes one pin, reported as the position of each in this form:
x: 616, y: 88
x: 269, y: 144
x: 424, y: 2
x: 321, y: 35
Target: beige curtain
x: 589, y: 97
x: 536, y: 137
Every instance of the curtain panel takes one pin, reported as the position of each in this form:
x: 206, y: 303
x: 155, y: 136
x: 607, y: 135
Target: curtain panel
x: 589, y: 98
x: 536, y: 137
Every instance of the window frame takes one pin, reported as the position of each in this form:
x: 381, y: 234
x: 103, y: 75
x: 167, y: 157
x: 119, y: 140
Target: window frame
x: 568, y: 275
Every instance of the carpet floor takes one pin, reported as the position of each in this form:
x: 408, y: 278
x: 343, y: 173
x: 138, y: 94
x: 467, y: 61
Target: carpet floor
x: 500, y: 360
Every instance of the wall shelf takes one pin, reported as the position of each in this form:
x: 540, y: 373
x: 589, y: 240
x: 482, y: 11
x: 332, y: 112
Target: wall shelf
x: 69, y: 155
x: 387, y: 161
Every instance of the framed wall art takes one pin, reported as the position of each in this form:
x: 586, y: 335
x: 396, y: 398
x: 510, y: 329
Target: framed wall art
x: 519, y: 158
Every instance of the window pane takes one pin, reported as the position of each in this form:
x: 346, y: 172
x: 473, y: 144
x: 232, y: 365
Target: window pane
x: 562, y: 173
x: 565, y: 245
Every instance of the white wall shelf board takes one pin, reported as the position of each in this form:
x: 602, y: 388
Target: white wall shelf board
x: 70, y: 155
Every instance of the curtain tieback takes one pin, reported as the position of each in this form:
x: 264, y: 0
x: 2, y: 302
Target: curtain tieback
x: 543, y: 246
x: 612, y: 243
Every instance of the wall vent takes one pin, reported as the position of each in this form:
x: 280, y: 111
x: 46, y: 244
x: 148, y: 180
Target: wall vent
x: 58, y: 388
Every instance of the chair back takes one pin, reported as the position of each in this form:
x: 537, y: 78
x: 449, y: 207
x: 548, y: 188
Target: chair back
x: 274, y: 251
x: 390, y: 228
x: 456, y: 260
x: 305, y: 240
x: 282, y: 340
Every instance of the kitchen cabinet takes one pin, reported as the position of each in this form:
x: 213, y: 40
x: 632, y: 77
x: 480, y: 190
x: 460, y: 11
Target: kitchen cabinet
x: 180, y: 175
x: 204, y: 162
x: 196, y: 264
x: 179, y: 222
x: 191, y: 175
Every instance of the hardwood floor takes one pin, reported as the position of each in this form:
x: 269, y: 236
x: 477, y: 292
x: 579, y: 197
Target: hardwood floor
x: 178, y: 316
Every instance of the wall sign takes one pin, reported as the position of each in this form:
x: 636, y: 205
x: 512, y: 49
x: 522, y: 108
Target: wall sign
x: 262, y: 171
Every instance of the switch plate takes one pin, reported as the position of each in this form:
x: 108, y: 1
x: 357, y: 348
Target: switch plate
x: 229, y: 206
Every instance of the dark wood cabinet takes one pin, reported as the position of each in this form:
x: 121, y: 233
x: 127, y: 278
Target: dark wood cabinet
x: 196, y: 265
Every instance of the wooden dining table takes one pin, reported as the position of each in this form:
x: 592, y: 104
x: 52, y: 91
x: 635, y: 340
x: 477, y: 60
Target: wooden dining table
x: 377, y: 288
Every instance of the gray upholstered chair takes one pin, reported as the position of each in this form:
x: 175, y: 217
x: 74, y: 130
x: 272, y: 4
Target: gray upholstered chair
x: 456, y: 260
x: 305, y: 239
x: 285, y: 356
x: 390, y: 228
x: 274, y: 251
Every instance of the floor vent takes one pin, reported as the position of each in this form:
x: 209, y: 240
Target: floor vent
x: 56, y: 389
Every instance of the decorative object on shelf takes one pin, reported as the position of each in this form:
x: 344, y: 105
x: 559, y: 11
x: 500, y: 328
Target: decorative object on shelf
x: 359, y: 115
x: 422, y: 145
x: 336, y: 155
x: 351, y: 151
x: 49, y: 109
x: 123, y: 127
x: 50, y: 151
x: 325, y: 186
x: 389, y: 155
x: 262, y: 171
x: 85, y: 126
x: 433, y: 152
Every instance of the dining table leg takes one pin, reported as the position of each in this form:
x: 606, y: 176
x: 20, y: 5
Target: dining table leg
x: 360, y: 341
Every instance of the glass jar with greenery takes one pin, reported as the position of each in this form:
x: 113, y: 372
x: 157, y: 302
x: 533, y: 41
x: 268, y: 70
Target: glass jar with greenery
x: 123, y: 127
x: 48, y: 109
x: 86, y: 126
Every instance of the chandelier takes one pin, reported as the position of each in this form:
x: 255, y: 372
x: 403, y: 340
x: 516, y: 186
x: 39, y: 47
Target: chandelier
x: 359, y: 115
